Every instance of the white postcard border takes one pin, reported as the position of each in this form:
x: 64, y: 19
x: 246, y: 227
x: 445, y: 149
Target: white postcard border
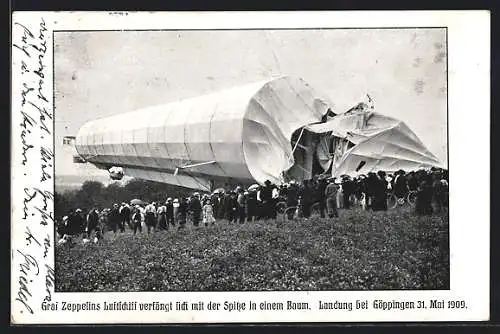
x: 469, y: 137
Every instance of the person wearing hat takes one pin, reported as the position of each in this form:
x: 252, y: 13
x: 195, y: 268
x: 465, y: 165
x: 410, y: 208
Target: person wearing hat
x: 70, y: 223
x: 331, y: 191
x: 78, y: 222
x: 175, y: 205
x: 370, y: 184
x: 215, y: 202
x: 423, y: 205
x: 292, y: 199
x: 182, y: 212
x: 412, y: 181
x: 62, y: 226
x: 91, y: 222
x: 241, y: 209
x: 283, y: 191
x: 438, y: 191
x: 125, y: 216
x: 266, y: 197
x: 169, y: 211
x: 195, y: 208
x: 114, y: 217
x: 231, y: 206
x: 150, y: 217
x: 137, y: 219
x: 320, y: 190
x: 401, y: 188
x: 161, y: 213
x: 380, y: 192
x: 251, y: 205
x: 347, y: 190
x: 306, y: 198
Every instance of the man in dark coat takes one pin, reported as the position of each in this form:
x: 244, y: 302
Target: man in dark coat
x: 424, y: 197
x: 195, y: 208
x: 214, y: 201
x: 150, y: 217
x: 400, y: 184
x: 412, y: 181
x: 371, y: 183
x: 283, y: 192
x: 242, y: 204
x: 266, y: 197
x: 220, y: 213
x: 380, y: 202
x: 136, y: 220
x: 438, y: 191
x: 114, y: 218
x: 63, y: 224
x: 359, y: 187
x: 182, y: 212
x: 162, y: 217
x: 231, y: 206
x: 347, y: 191
x: 251, y: 205
x: 330, y: 194
x: 92, y: 221
x: 322, y: 184
x: 76, y: 223
x: 306, y: 196
x: 292, y: 199
x: 125, y: 216
x: 170, y: 211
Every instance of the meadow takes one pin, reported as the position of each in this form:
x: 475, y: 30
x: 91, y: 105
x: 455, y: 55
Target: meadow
x: 360, y: 250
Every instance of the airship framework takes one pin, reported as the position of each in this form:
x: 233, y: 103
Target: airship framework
x: 277, y: 130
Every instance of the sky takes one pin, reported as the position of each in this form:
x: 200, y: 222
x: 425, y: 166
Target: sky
x: 99, y: 74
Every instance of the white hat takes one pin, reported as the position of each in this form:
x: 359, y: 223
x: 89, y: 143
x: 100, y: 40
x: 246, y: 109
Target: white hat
x: 176, y: 200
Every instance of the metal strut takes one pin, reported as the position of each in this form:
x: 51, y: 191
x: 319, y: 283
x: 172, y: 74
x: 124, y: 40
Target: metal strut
x: 193, y: 165
x: 297, y: 142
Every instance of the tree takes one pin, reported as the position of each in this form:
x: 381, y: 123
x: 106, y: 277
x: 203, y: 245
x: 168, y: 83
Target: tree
x: 92, y: 187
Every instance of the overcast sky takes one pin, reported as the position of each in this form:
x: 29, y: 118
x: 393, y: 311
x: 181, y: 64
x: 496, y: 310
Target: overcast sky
x: 104, y: 73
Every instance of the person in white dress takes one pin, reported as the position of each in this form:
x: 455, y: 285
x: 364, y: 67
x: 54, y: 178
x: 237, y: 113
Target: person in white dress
x: 208, y: 213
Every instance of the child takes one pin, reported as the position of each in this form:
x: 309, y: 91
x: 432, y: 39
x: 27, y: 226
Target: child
x: 208, y: 213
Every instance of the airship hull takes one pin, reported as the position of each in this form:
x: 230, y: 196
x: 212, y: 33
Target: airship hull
x: 245, y: 131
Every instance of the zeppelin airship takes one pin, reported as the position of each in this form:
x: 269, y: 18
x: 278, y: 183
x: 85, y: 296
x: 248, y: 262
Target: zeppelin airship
x: 277, y: 130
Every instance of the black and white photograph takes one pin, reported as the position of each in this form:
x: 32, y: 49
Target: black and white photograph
x: 251, y: 160
x: 250, y: 167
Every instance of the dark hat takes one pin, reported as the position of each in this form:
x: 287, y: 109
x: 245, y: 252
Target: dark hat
x: 267, y: 182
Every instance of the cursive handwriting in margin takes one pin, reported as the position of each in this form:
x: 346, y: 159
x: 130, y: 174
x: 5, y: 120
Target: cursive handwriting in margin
x: 30, y: 52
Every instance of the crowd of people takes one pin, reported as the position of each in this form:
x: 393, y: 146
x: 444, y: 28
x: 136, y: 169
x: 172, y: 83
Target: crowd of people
x: 324, y: 194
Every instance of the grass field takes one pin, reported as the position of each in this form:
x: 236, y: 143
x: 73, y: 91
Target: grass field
x: 357, y: 251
